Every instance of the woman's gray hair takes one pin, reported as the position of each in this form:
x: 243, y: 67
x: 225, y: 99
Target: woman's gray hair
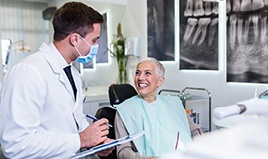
x: 159, y: 68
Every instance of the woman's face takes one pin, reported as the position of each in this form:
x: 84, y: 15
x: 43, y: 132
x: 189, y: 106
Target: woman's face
x: 146, y: 80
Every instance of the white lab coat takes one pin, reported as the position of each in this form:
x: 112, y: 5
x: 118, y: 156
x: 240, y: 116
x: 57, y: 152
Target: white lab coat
x: 38, y: 112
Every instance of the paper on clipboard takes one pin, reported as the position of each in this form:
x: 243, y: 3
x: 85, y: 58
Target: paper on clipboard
x: 108, y: 145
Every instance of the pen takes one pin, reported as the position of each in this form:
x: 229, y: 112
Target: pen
x: 95, y: 119
x: 177, y: 141
x: 199, y: 131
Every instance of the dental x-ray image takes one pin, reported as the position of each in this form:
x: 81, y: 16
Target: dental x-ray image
x: 247, y: 50
x: 198, y: 35
x: 102, y: 56
x: 160, y: 19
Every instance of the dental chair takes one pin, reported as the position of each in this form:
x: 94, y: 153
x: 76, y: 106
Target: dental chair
x: 2, y: 154
x: 117, y: 94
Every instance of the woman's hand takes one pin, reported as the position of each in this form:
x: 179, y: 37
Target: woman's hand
x: 106, y: 152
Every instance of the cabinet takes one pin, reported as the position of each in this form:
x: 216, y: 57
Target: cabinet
x: 197, y: 99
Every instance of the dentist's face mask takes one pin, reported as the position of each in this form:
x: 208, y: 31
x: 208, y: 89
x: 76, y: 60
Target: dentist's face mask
x: 89, y: 57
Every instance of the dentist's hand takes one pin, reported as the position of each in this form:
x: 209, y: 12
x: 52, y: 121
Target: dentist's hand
x: 94, y: 134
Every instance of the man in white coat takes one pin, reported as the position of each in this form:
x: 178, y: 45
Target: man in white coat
x: 41, y: 112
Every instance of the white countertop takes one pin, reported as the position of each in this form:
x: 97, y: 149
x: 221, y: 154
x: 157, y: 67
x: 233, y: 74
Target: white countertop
x: 96, y: 93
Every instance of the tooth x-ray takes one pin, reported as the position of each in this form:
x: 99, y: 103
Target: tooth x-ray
x: 102, y: 56
x: 247, y: 50
x: 161, y: 29
x: 198, y: 35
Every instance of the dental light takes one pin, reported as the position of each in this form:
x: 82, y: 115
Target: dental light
x: 21, y: 46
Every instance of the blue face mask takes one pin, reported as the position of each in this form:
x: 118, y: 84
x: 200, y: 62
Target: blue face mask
x: 89, y: 57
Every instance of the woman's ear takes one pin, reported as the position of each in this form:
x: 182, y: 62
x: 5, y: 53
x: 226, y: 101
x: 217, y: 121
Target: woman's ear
x: 160, y: 81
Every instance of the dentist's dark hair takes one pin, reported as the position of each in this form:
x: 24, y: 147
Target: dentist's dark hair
x: 74, y: 17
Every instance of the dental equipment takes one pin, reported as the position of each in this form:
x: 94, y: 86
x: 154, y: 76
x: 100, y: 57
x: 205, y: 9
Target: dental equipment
x: 223, y: 112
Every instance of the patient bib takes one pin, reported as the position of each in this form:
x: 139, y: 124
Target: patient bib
x: 161, y: 119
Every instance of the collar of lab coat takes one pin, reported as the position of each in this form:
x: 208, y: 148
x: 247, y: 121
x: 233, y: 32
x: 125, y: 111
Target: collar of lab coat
x: 57, y: 63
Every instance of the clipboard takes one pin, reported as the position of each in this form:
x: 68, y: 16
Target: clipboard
x: 108, y: 145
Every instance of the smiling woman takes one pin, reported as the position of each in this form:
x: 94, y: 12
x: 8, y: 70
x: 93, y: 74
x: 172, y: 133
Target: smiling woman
x: 153, y: 113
